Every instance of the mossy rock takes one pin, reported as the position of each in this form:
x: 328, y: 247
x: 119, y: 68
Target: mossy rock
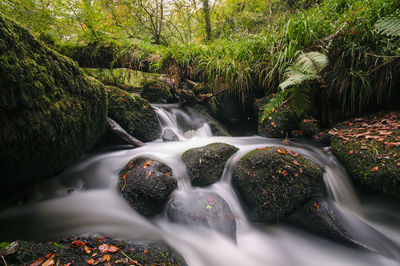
x: 276, y: 118
x: 273, y: 182
x: 362, y: 161
x: 206, y: 164
x: 71, y: 250
x: 309, y: 127
x: 146, y: 184
x: 217, y: 128
x: 133, y: 113
x: 50, y: 112
x: 157, y: 92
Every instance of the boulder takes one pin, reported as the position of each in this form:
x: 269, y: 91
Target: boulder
x: 202, y: 209
x: 93, y: 250
x: 146, y: 184
x: 273, y: 182
x: 133, y: 113
x: 276, y: 118
x: 156, y: 92
x: 324, y: 218
x: 205, y: 165
x: 169, y: 135
x: 50, y: 112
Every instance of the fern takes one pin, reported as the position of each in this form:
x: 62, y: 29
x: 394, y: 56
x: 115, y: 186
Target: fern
x: 307, y: 67
x: 389, y: 26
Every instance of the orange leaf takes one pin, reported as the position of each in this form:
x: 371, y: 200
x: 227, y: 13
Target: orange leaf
x: 94, y: 254
x: 48, y: 262
x: 296, y: 162
x: 317, y: 206
x: 168, y: 173
x: 103, y: 248
x: 87, y: 249
x: 284, y: 173
x: 148, y: 175
x: 48, y: 255
x: 93, y: 262
x: 113, y: 249
x: 77, y: 243
x: 106, y: 258
x: 148, y: 163
x: 37, y: 262
x: 145, y: 251
x: 280, y: 151
x: 374, y: 169
x: 350, y: 152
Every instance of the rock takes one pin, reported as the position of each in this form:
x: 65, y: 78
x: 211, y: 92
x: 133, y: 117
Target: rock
x: 156, y: 92
x: 323, y: 218
x: 146, y: 184
x: 371, y: 154
x: 206, y: 164
x: 276, y: 118
x: 50, y: 112
x: 202, y: 209
x: 169, y: 135
x: 309, y: 127
x: 71, y: 250
x: 273, y: 182
x: 216, y: 127
x: 133, y: 113
x: 115, y: 134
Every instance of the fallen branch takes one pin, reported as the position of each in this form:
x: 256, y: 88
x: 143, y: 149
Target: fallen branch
x: 121, y: 133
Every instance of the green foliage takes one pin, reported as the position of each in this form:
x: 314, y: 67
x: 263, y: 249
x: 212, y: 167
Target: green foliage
x: 389, y: 26
x: 272, y: 105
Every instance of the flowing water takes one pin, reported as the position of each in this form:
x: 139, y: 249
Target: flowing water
x: 84, y: 199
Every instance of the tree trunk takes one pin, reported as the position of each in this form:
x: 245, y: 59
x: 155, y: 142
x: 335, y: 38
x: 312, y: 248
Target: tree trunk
x: 206, y: 11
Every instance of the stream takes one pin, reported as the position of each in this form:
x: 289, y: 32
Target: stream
x: 84, y: 198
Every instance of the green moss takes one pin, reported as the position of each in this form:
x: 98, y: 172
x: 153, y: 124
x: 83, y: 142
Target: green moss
x: 206, y: 164
x: 133, y: 113
x: 156, y: 91
x: 50, y: 111
x: 276, y: 118
x: 273, y: 182
x: 385, y: 180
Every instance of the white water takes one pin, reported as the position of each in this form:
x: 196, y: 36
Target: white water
x: 95, y: 206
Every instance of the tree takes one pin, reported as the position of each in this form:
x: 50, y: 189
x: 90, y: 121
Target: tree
x: 207, y: 20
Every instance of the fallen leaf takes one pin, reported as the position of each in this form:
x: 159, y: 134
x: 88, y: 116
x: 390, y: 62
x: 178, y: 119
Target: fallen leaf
x: 148, y: 163
x: 280, y: 151
x: 103, y: 248
x: 37, y: 262
x: 284, y: 173
x: 168, y: 173
x: 106, y: 258
x: 113, y: 249
x: 48, y: 255
x: 48, y: 262
x: 317, y: 206
x: 350, y: 152
x: 145, y: 251
x: 93, y: 262
x: 77, y: 243
x: 296, y: 162
x: 68, y: 264
x: 374, y: 169
x: 87, y: 250
x: 148, y: 175
x: 94, y: 254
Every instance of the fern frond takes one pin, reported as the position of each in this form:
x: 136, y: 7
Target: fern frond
x: 389, y: 26
x: 307, y: 67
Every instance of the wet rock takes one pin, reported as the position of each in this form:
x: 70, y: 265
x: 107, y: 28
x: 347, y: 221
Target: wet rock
x: 146, y: 184
x: 369, y: 149
x: 50, y: 112
x: 169, y: 135
x: 309, y: 127
x: 202, y: 209
x: 217, y: 128
x: 95, y: 250
x: 115, y: 134
x: 133, y: 113
x: 276, y: 117
x: 273, y: 182
x: 205, y: 165
x: 324, y: 218
x: 157, y: 92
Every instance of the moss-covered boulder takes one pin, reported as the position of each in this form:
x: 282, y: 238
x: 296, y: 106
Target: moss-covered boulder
x: 96, y: 250
x: 133, y: 113
x: 217, y: 128
x: 157, y: 92
x: 369, y: 149
x: 146, y: 184
x: 274, y: 182
x: 276, y: 118
x: 202, y: 209
x: 206, y: 164
x: 50, y: 112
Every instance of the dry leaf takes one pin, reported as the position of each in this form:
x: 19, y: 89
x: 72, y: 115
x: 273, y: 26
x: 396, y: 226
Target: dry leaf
x: 37, y: 262
x: 113, y: 249
x: 103, y: 248
x: 48, y: 262
x: 374, y: 169
x: 350, y: 152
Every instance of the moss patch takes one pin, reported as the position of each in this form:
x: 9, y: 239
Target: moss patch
x: 133, y: 113
x: 273, y: 182
x: 50, y: 111
x: 206, y: 164
x: 369, y: 148
x: 156, y: 92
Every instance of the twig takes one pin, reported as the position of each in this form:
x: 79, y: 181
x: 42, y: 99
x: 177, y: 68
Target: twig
x: 131, y: 260
x: 5, y: 263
